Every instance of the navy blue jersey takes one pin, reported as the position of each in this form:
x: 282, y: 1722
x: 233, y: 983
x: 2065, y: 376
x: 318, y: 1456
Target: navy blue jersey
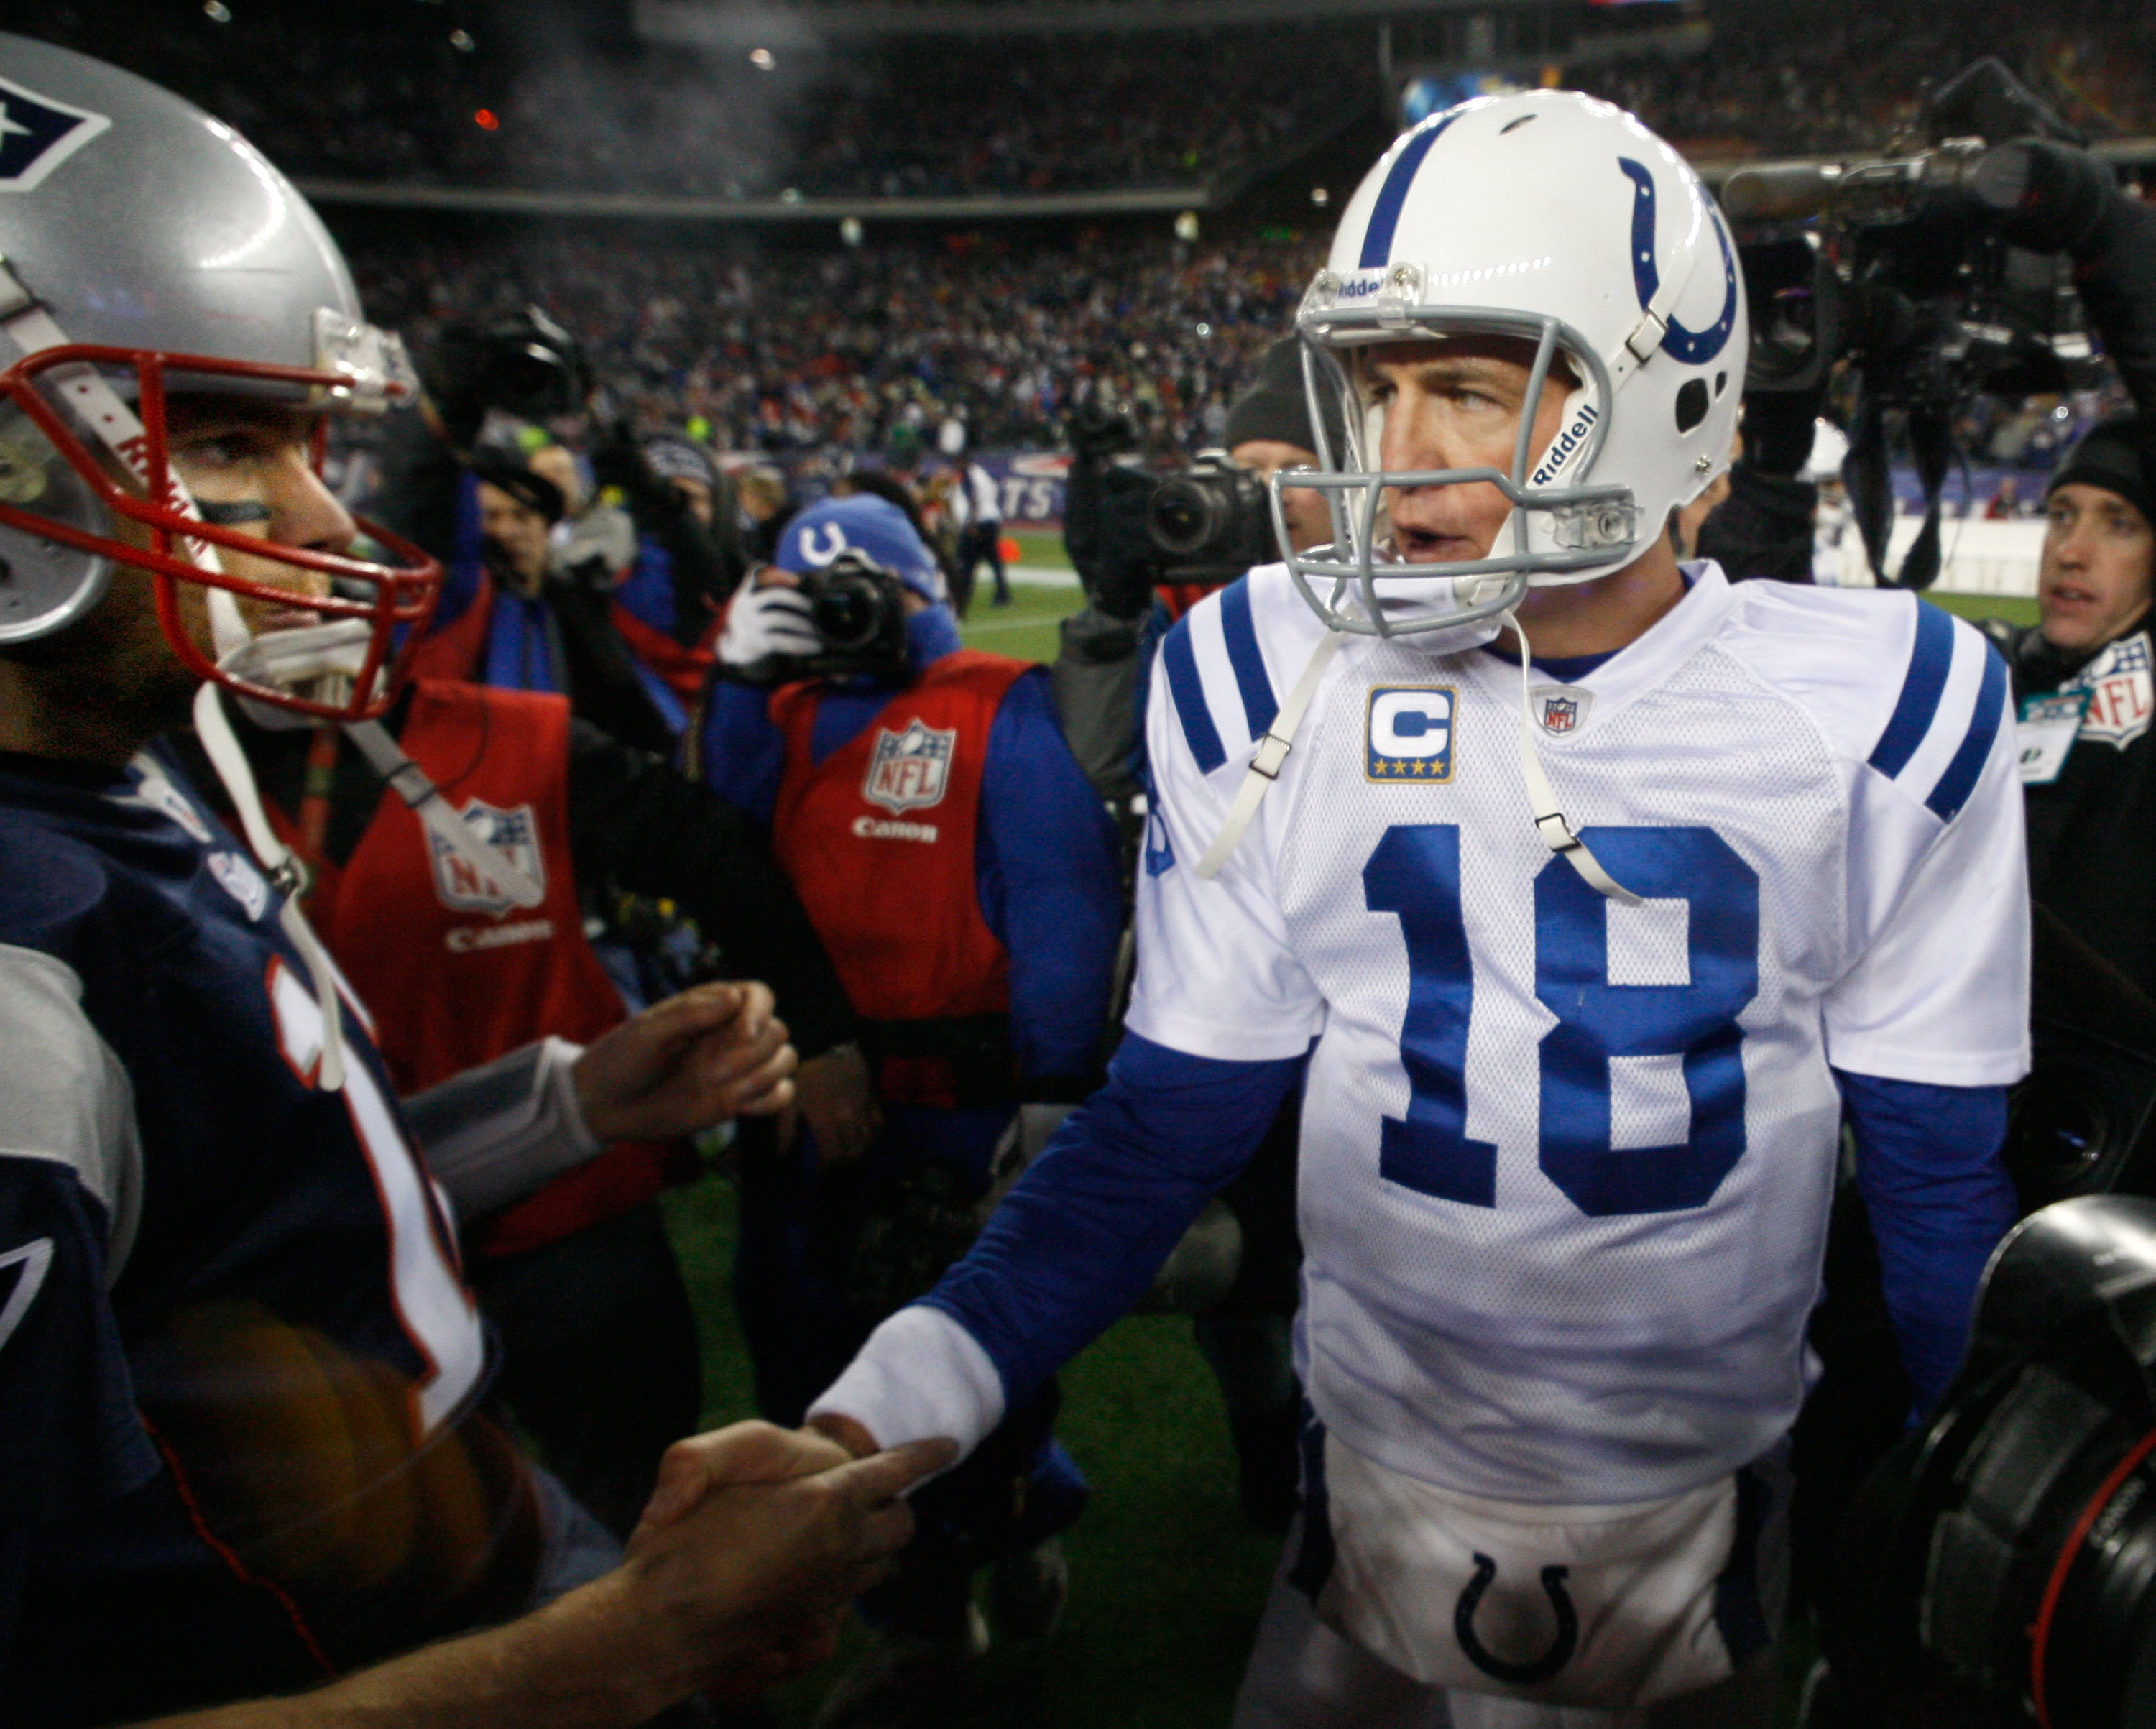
x: 240, y: 1442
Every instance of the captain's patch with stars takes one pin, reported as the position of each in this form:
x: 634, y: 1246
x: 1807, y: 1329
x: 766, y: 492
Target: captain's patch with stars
x: 1409, y: 737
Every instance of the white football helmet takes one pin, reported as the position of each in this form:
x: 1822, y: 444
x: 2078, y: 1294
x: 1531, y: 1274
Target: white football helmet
x: 1560, y: 220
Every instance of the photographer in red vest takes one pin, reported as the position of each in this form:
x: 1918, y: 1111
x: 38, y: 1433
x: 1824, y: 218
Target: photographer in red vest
x: 602, y: 1363
x: 963, y: 877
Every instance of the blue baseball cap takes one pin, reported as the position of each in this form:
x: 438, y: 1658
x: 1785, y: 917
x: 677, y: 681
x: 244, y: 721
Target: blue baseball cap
x: 874, y: 527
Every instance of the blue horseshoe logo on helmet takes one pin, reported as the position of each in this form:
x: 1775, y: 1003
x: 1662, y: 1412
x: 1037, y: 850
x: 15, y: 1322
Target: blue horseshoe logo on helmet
x: 1693, y: 347
x: 1534, y: 1668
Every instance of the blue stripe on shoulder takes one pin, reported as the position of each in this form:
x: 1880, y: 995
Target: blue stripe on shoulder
x: 1259, y: 707
x: 1385, y: 213
x: 1180, y: 660
x: 1929, y: 658
x: 1959, y: 780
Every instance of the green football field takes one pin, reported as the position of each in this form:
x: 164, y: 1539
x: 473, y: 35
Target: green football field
x: 1167, y: 1578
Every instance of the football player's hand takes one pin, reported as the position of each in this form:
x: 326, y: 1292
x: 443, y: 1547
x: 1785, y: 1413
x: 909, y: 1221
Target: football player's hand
x: 706, y: 1055
x: 749, y: 1566
x: 832, y: 1096
x: 768, y: 621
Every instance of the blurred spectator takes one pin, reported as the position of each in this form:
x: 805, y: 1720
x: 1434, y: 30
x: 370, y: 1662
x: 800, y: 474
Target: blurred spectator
x: 2082, y: 676
x: 976, y: 505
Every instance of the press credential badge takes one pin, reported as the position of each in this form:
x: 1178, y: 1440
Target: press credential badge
x: 2046, y: 732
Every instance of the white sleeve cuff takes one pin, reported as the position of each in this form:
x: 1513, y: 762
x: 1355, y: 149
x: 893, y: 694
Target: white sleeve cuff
x: 920, y: 1375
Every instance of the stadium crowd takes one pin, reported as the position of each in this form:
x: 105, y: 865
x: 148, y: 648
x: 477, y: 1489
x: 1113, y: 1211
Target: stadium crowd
x: 875, y: 349
x: 1782, y: 80
x: 538, y: 98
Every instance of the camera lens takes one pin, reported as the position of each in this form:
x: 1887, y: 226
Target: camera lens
x: 1183, y: 517
x: 847, y: 613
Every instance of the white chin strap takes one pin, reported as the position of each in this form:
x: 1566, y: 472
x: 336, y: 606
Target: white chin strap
x: 1550, y: 822
x: 337, y: 650
x: 1273, y: 750
x: 285, y: 876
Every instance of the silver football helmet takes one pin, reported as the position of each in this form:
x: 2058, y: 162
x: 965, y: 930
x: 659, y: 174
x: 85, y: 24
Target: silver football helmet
x: 147, y: 250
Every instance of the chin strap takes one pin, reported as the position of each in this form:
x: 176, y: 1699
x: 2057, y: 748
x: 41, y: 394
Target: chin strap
x: 285, y: 876
x: 1550, y: 822
x: 1272, y: 755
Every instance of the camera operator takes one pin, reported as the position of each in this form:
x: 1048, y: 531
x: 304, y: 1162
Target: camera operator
x: 963, y: 877
x: 505, y: 617
x: 1942, y: 282
x: 1148, y: 549
x: 2081, y: 676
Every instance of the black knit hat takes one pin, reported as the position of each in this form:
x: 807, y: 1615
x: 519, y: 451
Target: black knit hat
x: 1275, y: 405
x: 2118, y: 454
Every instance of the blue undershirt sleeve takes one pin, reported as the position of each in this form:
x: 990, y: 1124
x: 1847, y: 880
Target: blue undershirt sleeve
x: 1046, y: 869
x: 1928, y: 1167
x: 1078, y: 1239
x: 743, y: 755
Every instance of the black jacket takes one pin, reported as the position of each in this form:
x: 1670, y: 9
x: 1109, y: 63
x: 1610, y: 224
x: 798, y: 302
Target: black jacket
x: 2093, y: 831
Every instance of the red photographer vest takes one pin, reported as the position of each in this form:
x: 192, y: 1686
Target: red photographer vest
x: 878, y: 841
x: 456, y: 975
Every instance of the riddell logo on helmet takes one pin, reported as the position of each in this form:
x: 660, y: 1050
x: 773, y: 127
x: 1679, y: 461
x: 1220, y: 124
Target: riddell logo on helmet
x: 1569, y: 440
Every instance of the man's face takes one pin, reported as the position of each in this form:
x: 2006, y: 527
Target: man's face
x: 1454, y: 404
x: 519, y: 531
x: 553, y: 462
x: 249, y: 463
x: 2099, y: 562
x: 1309, y: 524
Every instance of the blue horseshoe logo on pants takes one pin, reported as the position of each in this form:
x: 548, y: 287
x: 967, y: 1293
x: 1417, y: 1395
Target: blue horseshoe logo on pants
x: 1534, y: 1668
x: 1693, y: 347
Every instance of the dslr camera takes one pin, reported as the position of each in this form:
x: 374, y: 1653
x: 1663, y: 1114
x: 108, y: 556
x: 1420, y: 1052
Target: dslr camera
x: 859, y: 610
x: 1212, y: 522
x: 1129, y: 530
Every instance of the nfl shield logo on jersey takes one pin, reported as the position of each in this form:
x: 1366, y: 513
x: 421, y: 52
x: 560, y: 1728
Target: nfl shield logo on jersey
x: 1560, y: 708
x: 514, y: 832
x: 37, y: 134
x: 909, y: 770
x: 1409, y: 737
x: 2122, y: 694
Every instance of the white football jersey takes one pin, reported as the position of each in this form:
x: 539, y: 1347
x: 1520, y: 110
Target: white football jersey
x: 1567, y: 1164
